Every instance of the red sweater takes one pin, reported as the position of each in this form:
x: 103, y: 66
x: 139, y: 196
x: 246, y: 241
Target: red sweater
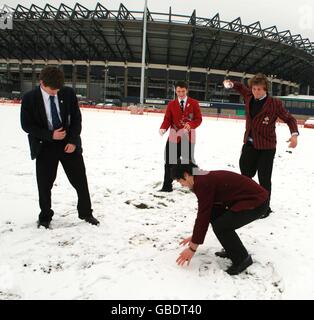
x: 226, y: 189
x: 263, y: 126
x: 175, y: 119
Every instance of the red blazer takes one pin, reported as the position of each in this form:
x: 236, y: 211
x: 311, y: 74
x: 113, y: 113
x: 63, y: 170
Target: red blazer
x: 263, y: 125
x: 175, y: 119
x: 223, y: 189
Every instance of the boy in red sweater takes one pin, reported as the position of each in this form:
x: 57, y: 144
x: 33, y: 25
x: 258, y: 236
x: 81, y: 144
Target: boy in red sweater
x: 228, y: 201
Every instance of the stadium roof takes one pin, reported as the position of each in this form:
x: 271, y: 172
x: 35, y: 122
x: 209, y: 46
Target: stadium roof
x: 78, y: 33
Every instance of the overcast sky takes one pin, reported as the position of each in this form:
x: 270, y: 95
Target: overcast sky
x: 296, y: 15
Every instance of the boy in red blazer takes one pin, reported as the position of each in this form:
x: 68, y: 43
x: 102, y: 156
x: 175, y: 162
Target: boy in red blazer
x: 183, y: 115
x: 262, y: 112
x: 228, y: 201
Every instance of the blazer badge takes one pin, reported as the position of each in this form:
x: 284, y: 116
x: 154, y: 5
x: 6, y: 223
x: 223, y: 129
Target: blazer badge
x: 266, y: 120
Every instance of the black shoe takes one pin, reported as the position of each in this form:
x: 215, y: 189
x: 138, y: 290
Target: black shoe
x: 238, y: 268
x: 166, y: 189
x: 266, y: 214
x: 45, y: 224
x: 222, y: 254
x: 92, y: 220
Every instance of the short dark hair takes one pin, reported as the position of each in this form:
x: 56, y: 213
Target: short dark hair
x: 181, y: 84
x: 178, y: 170
x: 52, y: 77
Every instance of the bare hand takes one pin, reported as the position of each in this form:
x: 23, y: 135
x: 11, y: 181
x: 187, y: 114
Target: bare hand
x: 293, y: 141
x: 185, y: 256
x: 162, y: 131
x: 187, y: 127
x: 186, y: 241
x: 59, y: 134
x: 69, y: 148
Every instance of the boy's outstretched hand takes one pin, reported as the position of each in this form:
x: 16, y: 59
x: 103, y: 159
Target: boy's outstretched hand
x: 187, y: 254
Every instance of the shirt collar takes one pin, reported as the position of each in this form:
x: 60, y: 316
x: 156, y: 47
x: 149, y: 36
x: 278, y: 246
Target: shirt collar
x: 262, y: 97
x: 46, y: 95
x: 185, y: 100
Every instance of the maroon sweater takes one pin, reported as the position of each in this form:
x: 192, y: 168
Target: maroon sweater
x: 263, y: 126
x: 227, y: 189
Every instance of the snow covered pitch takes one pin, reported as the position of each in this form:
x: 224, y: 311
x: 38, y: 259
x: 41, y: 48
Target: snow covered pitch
x: 132, y: 254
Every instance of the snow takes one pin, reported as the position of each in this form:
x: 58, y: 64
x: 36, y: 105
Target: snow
x: 132, y: 254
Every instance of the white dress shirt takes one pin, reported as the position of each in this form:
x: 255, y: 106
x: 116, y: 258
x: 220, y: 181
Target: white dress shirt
x: 48, y: 108
x: 263, y: 97
x: 185, y: 100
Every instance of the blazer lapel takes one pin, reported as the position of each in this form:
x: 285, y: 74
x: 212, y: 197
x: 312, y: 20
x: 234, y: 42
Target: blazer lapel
x: 264, y: 108
x: 41, y: 107
x: 177, y: 104
x: 188, y: 105
x: 62, y: 107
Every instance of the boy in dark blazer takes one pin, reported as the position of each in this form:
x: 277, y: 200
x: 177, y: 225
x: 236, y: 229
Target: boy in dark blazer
x: 228, y: 201
x: 183, y: 115
x: 51, y: 116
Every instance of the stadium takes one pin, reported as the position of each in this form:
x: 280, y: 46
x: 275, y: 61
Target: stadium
x: 100, y: 52
x: 132, y: 254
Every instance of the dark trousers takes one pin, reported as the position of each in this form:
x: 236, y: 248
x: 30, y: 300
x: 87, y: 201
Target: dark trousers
x: 225, y: 222
x: 182, y: 152
x: 46, y: 171
x: 260, y: 161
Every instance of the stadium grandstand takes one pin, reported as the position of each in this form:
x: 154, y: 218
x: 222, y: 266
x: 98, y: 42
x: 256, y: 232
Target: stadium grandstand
x: 100, y: 52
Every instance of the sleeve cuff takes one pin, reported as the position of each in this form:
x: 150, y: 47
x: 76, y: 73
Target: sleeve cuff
x: 197, y: 240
